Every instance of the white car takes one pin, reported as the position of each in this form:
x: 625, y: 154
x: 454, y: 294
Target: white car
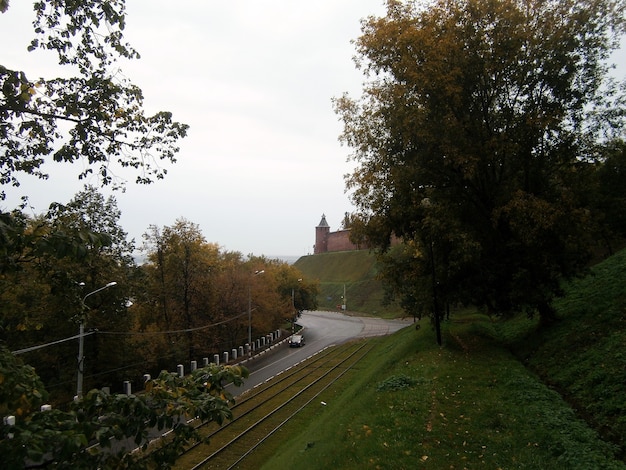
x: 296, y: 341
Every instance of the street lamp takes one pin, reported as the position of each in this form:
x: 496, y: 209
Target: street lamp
x: 293, y: 305
x: 81, y: 339
x: 256, y: 273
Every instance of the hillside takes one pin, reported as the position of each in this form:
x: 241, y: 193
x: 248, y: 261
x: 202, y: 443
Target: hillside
x: 583, y: 355
x: 354, y: 271
x: 498, y: 394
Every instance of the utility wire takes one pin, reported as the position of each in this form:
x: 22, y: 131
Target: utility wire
x: 129, y: 333
x: 34, y: 348
x: 188, y: 330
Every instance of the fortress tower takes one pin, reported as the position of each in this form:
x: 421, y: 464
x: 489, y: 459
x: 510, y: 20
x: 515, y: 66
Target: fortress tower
x: 321, y: 236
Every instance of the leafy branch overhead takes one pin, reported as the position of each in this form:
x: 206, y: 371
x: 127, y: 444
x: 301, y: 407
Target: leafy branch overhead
x: 116, y: 423
x: 95, y: 116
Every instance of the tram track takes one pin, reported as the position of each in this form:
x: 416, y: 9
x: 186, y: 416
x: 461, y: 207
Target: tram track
x: 262, y: 411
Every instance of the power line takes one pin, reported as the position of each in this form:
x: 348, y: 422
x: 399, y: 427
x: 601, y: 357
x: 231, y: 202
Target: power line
x: 188, y: 330
x: 129, y: 333
x: 34, y: 348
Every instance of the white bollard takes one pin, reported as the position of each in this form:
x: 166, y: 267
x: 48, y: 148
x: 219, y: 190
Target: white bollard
x: 194, y: 365
x: 9, y: 421
x: 180, y: 370
x: 216, y: 359
x: 127, y: 387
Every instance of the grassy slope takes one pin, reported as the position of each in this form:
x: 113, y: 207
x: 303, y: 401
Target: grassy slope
x: 357, y: 271
x: 472, y: 402
x: 584, y: 354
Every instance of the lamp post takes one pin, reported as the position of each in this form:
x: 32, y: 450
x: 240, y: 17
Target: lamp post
x: 293, y: 305
x: 81, y: 339
x: 256, y: 273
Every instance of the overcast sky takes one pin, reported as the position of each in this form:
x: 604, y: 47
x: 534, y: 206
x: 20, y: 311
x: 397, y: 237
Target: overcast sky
x: 254, y: 80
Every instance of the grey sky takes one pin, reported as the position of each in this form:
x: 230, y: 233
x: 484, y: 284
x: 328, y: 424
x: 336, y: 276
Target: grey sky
x: 254, y: 80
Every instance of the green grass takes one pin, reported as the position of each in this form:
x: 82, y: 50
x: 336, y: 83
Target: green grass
x: 470, y: 404
x: 583, y: 355
x: 497, y: 395
x: 357, y: 272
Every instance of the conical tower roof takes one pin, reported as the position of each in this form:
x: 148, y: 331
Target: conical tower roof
x: 323, y: 222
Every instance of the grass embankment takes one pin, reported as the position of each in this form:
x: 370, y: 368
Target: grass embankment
x: 357, y: 272
x: 583, y: 355
x: 412, y: 405
x: 474, y: 404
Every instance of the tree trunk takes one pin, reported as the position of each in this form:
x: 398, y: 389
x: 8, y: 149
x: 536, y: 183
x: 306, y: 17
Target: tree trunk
x: 547, y: 314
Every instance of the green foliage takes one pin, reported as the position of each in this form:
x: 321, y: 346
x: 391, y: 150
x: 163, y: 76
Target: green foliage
x: 303, y: 291
x: 21, y: 390
x: 23, y: 240
x: 115, y: 423
x: 396, y: 382
x: 95, y: 116
x: 475, y: 139
x: 50, y: 263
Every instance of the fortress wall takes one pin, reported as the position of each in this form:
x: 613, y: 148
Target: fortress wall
x: 340, y: 241
x: 326, y: 241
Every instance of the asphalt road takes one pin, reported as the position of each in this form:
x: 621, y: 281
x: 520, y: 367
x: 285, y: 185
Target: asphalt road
x: 321, y: 330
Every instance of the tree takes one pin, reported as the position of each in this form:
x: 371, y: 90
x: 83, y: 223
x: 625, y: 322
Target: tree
x: 270, y: 292
x: 56, y: 259
x: 301, y: 292
x: 38, y: 299
x: 478, y: 118
x: 90, y: 212
x: 181, y: 271
x: 209, y: 297
x: 95, y: 116
x: 611, y: 190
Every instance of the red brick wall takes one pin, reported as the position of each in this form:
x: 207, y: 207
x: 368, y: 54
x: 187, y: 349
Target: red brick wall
x: 340, y: 241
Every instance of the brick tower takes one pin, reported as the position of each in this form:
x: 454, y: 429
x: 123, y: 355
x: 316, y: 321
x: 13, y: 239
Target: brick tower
x: 321, y: 236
